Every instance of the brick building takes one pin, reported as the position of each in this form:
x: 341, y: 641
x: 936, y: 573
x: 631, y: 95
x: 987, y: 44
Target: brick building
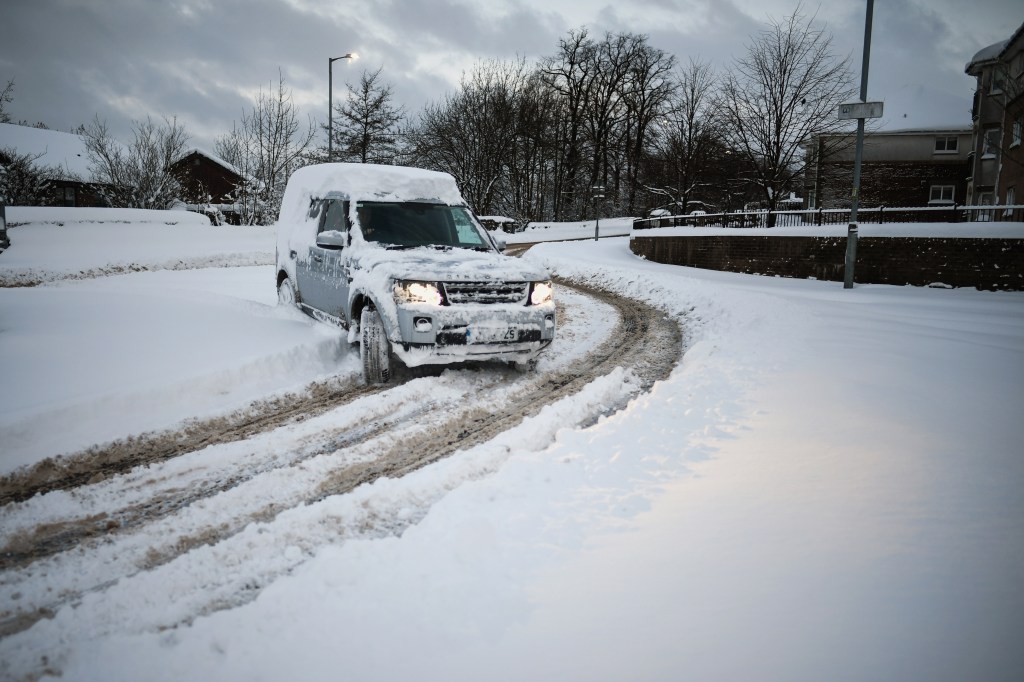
x: 899, y: 168
x: 997, y: 162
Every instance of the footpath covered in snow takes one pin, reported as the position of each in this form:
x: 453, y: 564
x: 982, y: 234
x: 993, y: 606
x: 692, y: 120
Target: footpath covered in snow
x: 827, y: 487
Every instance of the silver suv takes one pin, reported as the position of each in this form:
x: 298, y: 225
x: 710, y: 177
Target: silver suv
x: 394, y: 255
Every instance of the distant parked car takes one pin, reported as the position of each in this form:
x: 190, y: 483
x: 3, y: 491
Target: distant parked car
x: 500, y: 222
x: 4, y: 240
x: 395, y: 255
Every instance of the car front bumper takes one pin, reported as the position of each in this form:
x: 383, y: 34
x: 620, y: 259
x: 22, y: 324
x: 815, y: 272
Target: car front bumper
x: 443, y: 334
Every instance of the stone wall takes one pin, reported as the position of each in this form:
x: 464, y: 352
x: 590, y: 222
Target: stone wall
x: 991, y: 264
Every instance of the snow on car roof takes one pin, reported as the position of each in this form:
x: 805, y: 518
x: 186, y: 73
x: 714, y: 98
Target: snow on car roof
x: 366, y: 182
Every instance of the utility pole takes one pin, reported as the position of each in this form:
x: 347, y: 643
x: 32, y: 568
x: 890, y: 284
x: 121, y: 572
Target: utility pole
x: 860, y: 111
x: 598, y: 194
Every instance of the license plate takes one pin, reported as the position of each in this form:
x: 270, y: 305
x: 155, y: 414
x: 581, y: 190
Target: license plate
x: 478, y: 334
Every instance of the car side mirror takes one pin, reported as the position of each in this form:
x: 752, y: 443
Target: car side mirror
x: 332, y: 239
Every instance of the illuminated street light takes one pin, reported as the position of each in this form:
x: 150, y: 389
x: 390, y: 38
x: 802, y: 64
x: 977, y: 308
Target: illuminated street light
x: 330, y: 101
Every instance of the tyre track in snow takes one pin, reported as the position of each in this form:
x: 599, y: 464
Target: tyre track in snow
x: 391, y: 446
x: 647, y: 341
x: 97, y: 463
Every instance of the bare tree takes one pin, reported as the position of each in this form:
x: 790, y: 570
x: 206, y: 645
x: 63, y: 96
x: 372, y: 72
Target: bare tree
x: 136, y: 176
x: 367, y: 123
x: 266, y: 146
x: 647, y: 93
x: 530, y: 164
x: 787, y: 88
x: 570, y: 74
x: 23, y: 182
x: 472, y: 133
x: 6, y: 97
x: 686, y: 136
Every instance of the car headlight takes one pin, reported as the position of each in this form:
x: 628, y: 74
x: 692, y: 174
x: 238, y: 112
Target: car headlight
x: 542, y: 292
x: 418, y: 293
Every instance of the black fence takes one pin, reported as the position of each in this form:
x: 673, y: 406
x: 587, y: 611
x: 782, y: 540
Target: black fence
x: 840, y: 216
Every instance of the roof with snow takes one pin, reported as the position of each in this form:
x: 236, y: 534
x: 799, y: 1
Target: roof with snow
x: 53, y: 147
x: 211, y: 156
x: 987, y: 54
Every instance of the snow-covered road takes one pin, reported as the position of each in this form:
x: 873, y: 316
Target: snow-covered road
x: 827, y: 486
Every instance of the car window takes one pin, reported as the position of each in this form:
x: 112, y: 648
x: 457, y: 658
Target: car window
x: 315, y: 206
x: 335, y: 216
x: 467, y: 230
x: 412, y: 224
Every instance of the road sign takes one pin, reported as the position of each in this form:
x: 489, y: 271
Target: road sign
x: 853, y: 110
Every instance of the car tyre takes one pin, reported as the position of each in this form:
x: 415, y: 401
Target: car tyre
x: 286, y: 294
x: 374, y: 348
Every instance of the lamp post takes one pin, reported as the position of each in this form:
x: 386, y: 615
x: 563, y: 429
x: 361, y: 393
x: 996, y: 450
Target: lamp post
x: 598, y: 194
x: 330, y: 102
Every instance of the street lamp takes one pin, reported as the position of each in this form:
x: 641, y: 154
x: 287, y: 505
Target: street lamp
x: 330, y: 101
x: 598, y: 193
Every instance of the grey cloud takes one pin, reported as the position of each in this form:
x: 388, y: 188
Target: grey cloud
x: 74, y: 59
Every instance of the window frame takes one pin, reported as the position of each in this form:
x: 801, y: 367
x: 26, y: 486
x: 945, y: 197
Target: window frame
x: 990, y: 140
x: 945, y: 148
x: 941, y: 200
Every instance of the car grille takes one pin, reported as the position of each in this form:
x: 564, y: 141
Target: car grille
x: 486, y: 292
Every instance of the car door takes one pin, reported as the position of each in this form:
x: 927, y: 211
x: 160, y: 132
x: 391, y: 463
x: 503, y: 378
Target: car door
x: 329, y: 259
x: 308, y: 261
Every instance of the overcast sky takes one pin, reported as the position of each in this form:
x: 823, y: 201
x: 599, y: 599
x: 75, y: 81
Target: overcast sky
x: 203, y: 60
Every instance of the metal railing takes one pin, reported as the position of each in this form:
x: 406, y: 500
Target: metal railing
x: 951, y: 213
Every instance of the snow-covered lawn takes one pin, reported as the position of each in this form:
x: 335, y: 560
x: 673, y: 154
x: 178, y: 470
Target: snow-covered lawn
x: 828, y: 487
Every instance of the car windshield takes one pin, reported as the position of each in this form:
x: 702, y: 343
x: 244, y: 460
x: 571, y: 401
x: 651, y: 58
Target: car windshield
x: 412, y: 224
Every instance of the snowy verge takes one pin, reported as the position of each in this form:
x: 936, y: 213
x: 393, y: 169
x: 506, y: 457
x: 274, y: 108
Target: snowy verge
x: 18, y: 216
x: 97, y: 242
x: 122, y: 355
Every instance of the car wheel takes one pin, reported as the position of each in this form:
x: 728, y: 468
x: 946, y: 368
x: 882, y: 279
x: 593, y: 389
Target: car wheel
x: 374, y: 348
x: 286, y: 293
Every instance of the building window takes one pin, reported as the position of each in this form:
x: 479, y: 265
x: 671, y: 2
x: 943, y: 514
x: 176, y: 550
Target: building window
x: 1011, y: 199
x: 941, y: 194
x: 998, y: 81
x: 990, y: 145
x: 1017, y: 124
x: 946, y: 145
x: 985, y: 199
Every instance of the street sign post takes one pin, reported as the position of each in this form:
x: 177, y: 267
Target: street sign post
x: 859, y: 110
